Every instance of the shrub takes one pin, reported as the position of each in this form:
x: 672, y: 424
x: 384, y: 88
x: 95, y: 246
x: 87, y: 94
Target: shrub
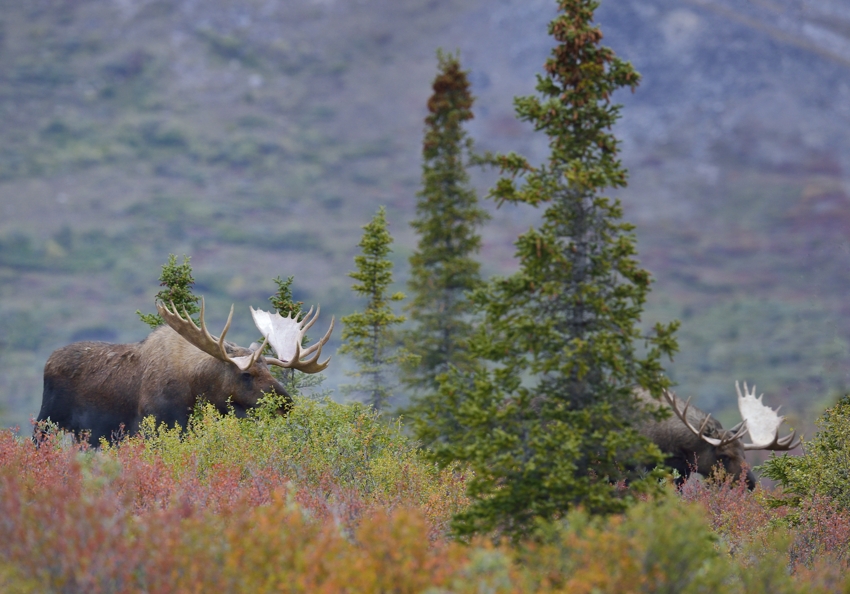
x: 163, y: 513
x: 345, y: 457
x: 734, y: 513
x: 126, y: 519
x: 821, y: 532
x: 663, y: 546
x: 824, y: 467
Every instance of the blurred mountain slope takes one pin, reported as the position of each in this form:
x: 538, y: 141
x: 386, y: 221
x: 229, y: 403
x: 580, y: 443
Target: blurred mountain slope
x: 258, y: 136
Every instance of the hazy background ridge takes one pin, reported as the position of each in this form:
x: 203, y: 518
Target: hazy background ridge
x: 258, y: 136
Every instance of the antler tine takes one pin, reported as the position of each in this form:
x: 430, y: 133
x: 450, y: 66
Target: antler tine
x: 736, y: 432
x: 197, y: 336
x: 220, y: 342
x: 306, y: 321
x: 738, y: 389
x: 704, y: 421
x: 285, y: 335
x: 788, y: 439
x: 309, y: 365
x: 318, y: 345
x: 226, y: 324
x: 313, y: 363
x: 779, y: 444
x: 683, y: 416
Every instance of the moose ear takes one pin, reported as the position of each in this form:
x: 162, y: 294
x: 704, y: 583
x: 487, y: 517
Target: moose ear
x: 254, y: 346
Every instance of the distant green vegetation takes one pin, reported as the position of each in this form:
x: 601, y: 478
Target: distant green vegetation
x: 66, y: 251
x: 20, y: 330
x: 778, y: 343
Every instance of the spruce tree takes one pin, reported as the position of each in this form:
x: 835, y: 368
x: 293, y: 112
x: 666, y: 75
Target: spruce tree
x: 177, y: 280
x: 548, y: 421
x: 369, y: 336
x: 284, y: 304
x: 442, y: 270
x: 282, y: 300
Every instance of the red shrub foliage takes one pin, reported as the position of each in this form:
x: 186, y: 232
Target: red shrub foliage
x: 735, y: 513
x: 123, y: 520
x: 822, y: 532
x: 82, y: 521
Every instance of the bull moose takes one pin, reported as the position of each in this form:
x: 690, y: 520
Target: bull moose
x: 98, y: 387
x: 693, y: 441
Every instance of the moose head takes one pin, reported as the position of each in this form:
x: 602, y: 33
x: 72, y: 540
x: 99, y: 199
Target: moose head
x: 693, y: 440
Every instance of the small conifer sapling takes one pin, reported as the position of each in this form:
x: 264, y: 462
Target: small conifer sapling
x: 178, y: 281
x: 369, y: 336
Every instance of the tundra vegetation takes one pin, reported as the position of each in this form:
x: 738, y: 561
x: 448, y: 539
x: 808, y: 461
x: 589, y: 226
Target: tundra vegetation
x: 333, y: 498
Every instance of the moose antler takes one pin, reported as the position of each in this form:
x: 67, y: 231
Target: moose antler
x: 763, y: 422
x: 285, y: 335
x: 202, y: 339
x: 734, y: 433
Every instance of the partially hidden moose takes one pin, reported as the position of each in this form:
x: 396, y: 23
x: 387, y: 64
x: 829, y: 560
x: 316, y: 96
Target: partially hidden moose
x: 693, y: 441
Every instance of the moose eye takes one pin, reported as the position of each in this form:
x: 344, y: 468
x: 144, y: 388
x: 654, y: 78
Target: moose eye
x: 247, y: 378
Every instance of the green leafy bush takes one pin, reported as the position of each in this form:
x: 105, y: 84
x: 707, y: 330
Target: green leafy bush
x: 178, y: 281
x: 824, y: 467
x: 346, y: 450
x: 657, y: 546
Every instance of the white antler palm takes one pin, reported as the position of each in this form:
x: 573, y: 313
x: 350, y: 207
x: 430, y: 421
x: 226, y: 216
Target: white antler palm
x: 285, y: 334
x: 762, y: 423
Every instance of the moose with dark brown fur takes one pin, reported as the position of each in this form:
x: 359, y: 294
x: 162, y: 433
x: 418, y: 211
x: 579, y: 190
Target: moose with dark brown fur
x: 693, y: 441
x: 98, y: 387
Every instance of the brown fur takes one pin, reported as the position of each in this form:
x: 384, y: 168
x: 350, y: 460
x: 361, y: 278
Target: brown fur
x: 98, y: 386
x: 686, y: 452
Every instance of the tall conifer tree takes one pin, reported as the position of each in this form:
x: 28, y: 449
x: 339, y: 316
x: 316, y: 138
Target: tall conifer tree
x: 548, y: 421
x: 369, y: 336
x: 442, y: 270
